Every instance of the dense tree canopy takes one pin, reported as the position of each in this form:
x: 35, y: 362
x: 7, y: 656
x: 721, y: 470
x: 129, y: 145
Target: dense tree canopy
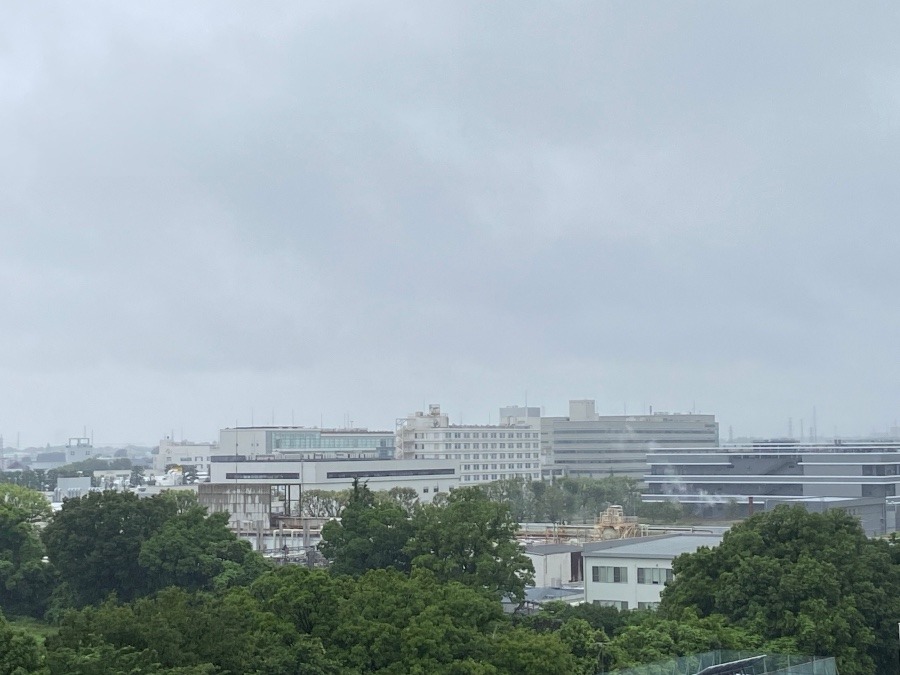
x: 466, y: 538
x: 371, y: 534
x: 388, y: 622
x: 26, y: 581
x: 574, y: 500
x: 30, y: 502
x: 115, y: 542
x: 227, y: 633
x: 471, y: 539
x: 20, y: 654
x: 813, y: 582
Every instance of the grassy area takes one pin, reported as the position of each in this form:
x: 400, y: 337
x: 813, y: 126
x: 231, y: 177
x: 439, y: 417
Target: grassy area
x: 38, y: 629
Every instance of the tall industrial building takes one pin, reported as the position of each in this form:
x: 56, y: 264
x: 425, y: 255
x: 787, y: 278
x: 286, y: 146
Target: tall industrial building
x: 589, y: 445
x: 485, y: 453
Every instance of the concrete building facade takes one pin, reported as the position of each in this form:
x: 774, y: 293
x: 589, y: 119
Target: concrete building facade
x: 631, y: 573
x: 484, y: 453
x: 184, y: 453
x: 292, y: 442
x: 780, y: 469
x: 426, y: 477
x: 589, y: 445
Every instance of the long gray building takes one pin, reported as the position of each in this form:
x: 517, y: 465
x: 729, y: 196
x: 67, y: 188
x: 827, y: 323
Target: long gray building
x: 774, y: 470
x: 589, y: 445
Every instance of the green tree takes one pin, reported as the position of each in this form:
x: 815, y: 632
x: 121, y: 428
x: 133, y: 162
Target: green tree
x: 26, y: 582
x: 94, y: 542
x: 369, y: 535
x: 196, y: 551
x: 137, y: 476
x: 813, y: 581
x: 20, y: 654
x: 406, y: 498
x: 323, y: 503
x: 650, y: 637
x: 31, y: 502
x: 387, y: 622
x: 177, y: 630
x: 471, y: 540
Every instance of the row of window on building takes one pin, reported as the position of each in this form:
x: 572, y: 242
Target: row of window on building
x: 622, y: 605
x: 447, y: 435
x: 605, y: 574
x: 494, y: 467
x: 475, y: 446
x: 493, y: 476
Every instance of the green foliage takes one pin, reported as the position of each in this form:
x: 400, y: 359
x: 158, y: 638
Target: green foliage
x: 565, y: 499
x: 94, y: 542
x: 26, y: 582
x: 370, y: 535
x: 323, y: 503
x: 554, y: 615
x: 387, y: 622
x: 36, y: 479
x: 31, y: 502
x: 185, y: 633
x: 137, y: 476
x: 660, y: 512
x: 195, y: 552
x: 406, y: 498
x: 20, y: 653
x: 652, y: 637
x: 87, y: 466
x: 466, y: 537
x: 814, y: 582
x: 471, y: 540
x: 115, y: 542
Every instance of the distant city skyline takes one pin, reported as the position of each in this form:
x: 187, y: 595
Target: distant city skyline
x: 791, y: 427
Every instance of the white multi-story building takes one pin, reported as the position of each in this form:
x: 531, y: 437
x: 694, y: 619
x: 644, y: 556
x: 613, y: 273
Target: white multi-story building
x: 184, y: 453
x: 631, y: 573
x: 306, y: 443
x: 486, y: 453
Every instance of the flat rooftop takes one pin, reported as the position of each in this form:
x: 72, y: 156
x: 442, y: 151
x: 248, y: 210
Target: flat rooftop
x: 664, y: 546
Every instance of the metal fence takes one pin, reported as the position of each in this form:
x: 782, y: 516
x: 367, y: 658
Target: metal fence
x: 769, y: 664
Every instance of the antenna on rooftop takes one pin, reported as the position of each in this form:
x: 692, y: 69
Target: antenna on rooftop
x: 814, y: 431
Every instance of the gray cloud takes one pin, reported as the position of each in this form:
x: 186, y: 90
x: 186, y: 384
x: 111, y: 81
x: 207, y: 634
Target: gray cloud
x: 352, y: 209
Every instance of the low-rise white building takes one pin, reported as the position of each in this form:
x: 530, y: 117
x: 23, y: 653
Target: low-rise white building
x: 184, y: 453
x: 485, y: 453
x: 631, y: 573
x: 426, y: 477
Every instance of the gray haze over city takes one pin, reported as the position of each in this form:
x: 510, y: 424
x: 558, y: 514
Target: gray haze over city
x: 332, y: 212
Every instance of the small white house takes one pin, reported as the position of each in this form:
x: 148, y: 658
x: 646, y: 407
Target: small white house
x: 631, y: 573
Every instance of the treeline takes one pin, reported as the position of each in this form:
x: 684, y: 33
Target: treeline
x: 45, y: 480
x: 566, y: 500
x: 577, y: 500
x: 159, y: 586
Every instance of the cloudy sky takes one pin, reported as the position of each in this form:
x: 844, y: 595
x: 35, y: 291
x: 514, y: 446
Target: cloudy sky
x: 346, y: 211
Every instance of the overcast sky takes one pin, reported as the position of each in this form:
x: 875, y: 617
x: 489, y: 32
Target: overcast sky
x: 338, y: 211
